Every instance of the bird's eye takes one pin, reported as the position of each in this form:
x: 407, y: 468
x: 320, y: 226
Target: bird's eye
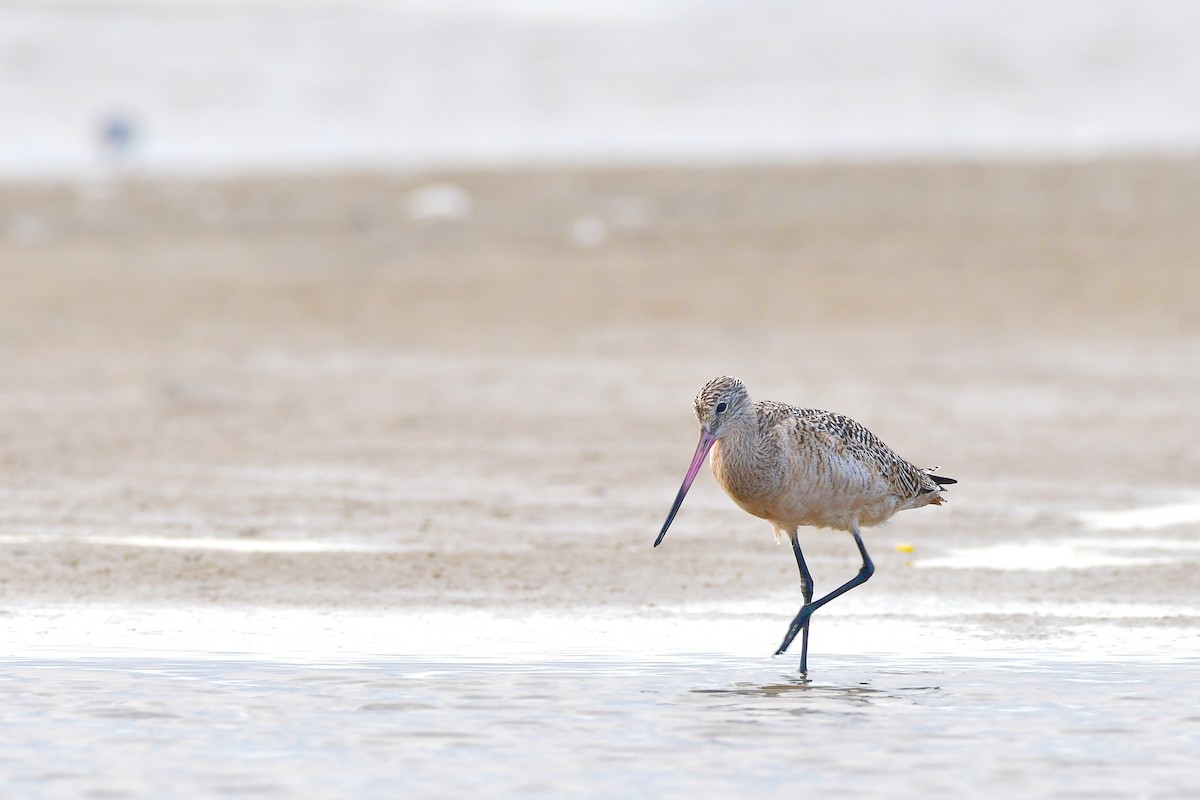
x: 720, y: 407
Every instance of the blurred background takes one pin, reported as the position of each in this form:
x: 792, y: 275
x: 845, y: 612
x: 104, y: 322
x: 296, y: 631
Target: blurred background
x: 367, y: 334
x: 213, y: 85
x: 385, y: 274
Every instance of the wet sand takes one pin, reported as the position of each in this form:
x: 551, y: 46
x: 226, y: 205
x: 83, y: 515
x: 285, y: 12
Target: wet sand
x: 501, y: 401
x: 414, y: 420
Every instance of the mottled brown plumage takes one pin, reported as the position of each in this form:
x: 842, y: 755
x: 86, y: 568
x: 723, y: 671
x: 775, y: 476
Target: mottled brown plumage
x: 803, y: 466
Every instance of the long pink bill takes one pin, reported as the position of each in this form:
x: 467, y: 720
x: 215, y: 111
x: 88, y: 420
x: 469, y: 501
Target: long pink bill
x: 706, y: 443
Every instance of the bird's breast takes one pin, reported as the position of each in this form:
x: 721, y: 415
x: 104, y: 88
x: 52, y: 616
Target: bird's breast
x: 792, y: 486
x: 754, y: 483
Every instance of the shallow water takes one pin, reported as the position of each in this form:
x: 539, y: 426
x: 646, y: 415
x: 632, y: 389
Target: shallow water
x: 117, y: 726
x: 596, y: 719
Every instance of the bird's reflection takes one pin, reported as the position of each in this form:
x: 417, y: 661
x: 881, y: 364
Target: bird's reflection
x: 859, y: 694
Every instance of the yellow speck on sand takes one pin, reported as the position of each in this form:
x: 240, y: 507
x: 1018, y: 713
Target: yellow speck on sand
x: 904, y: 547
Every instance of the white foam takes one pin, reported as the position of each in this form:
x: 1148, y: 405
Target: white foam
x: 1044, y: 556
x: 313, y: 634
x: 1149, y: 518
x: 1083, y: 553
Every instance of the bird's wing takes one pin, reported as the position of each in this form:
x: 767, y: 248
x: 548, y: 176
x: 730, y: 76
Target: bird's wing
x: 849, y: 439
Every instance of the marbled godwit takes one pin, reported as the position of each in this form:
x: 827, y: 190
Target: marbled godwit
x: 801, y: 466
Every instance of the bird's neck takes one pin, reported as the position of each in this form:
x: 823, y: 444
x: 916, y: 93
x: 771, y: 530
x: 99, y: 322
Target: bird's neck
x: 741, y: 465
x: 739, y: 440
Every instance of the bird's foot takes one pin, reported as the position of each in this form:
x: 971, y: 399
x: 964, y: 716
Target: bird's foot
x: 797, y: 625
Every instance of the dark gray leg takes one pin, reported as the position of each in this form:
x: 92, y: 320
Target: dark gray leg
x: 806, y: 588
x: 801, y: 620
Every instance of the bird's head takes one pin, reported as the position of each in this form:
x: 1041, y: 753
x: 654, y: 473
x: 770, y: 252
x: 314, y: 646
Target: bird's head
x: 719, y: 402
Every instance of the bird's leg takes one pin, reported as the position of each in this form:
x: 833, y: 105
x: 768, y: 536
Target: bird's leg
x: 801, y: 620
x: 806, y: 588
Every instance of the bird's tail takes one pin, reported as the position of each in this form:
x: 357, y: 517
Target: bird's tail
x: 940, y: 480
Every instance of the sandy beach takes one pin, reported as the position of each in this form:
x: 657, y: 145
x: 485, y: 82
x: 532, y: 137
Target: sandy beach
x: 345, y: 485
x: 483, y: 381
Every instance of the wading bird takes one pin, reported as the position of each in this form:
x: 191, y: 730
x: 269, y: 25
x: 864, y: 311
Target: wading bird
x: 802, y: 466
